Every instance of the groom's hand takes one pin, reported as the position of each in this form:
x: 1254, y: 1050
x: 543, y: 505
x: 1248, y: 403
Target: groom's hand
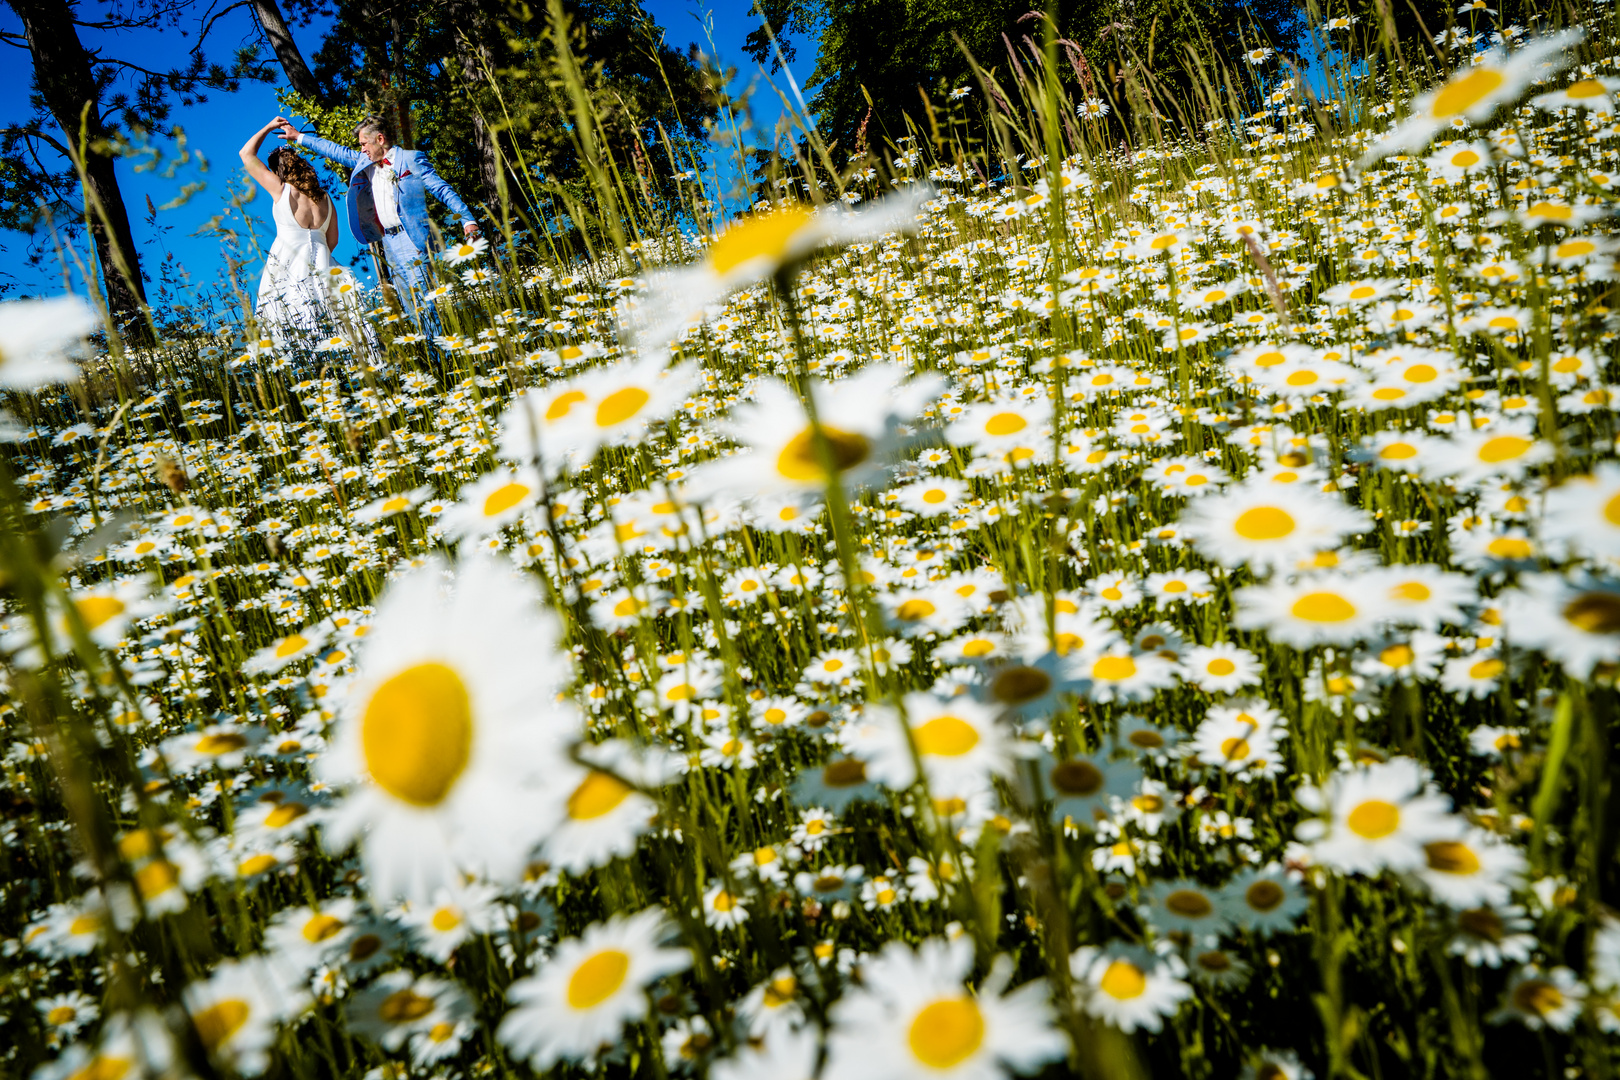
x: 288, y: 132
x: 470, y: 230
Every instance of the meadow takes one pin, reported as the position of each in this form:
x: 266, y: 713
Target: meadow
x: 1067, y: 603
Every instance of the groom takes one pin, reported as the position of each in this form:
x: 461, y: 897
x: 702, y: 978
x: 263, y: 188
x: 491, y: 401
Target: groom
x: 388, y: 191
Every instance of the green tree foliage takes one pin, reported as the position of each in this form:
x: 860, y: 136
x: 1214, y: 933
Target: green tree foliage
x: 483, y: 88
x: 878, y: 57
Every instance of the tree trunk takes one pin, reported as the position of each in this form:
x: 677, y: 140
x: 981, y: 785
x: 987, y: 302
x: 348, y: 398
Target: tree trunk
x: 474, y: 58
x: 404, y: 132
x: 286, y: 49
x: 63, y: 78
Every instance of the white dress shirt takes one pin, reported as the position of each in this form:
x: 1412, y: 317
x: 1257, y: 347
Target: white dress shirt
x: 384, y: 195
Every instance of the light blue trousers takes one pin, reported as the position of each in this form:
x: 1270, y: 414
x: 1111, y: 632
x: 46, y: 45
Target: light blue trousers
x: 410, y: 270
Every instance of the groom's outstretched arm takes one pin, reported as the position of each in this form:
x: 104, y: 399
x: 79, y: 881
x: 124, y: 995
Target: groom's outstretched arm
x: 440, y: 189
x: 346, y: 155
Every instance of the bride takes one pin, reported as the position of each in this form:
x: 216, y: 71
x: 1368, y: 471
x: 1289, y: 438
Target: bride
x: 292, y: 292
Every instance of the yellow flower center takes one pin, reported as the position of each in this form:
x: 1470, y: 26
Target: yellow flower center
x: 799, y: 459
x: 321, y: 927
x: 217, y: 1023
x: 1189, y: 904
x: 946, y: 736
x: 562, y: 403
x: 768, y: 236
x: 1537, y: 996
x: 599, y: 794
x: 597, y: 978
x: 417, y: 732
x: 223, y: 742
x: 290, y: 644
x: 1264, y: 523
x: 912, y: 610
x: 1123, y: 980
x: 1264, y: 895
x: 946, y: 1033
x: 1465, y: 92
x: 1451, y: 857
x: 96, y: 610
x: 1374, y: 819
x: 1323, y: 607
x: 621, y: 405
x: 1595, y: 612
x: 504, y: 498
x: 1220, y: 666
x: 285, y: 814
x: 1076, y: 779
x: 403, y: 1006
x: 1113, y: 668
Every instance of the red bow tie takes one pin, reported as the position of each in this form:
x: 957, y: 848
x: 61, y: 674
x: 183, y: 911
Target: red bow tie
x: 385, y: 161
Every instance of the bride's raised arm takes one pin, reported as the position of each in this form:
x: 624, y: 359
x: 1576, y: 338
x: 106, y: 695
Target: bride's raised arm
x: 256, y: 168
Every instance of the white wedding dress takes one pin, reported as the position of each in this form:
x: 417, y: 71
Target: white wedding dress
x: 292, y: 302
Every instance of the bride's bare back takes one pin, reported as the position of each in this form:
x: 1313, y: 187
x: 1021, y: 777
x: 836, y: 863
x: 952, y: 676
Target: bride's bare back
x: 306, y: 211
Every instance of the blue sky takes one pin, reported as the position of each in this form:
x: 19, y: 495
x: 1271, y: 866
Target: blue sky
x: 218, y: 127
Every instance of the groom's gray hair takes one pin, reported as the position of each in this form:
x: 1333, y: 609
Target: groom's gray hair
x: 373, y: 122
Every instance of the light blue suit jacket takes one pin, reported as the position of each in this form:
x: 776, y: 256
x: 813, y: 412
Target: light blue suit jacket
x: 417, y: 179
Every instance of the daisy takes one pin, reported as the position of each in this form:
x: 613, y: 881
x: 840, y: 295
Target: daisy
x: 722, y: 908
x: 928, y: 498
x: 130, y: 1045
x: 401, y: 1006
x: 1311, y: 611
x: 236, y: 1010
x: 1421, y: 595
x: 1234, y: 738
x: 1576, y: 623
x: 1222, y: 668
x: 1184, y: 906
x: 1377, y: 817
x: 41, y: 340
x: 912, y: 1018
x: 1120, y: 675
x: 781, y: 454
x: 621, y: 402
x: 1128, y: 988
x: 1538, y: 999
x: 595, y: 814
x: 1266, y: 525
x: 787, y: 1052
x: 491, y: 502
x: 1264, y: 901
x: 1486, y: 937
x: 957, y: 740
x: 580, y: 1000
x: 445, y: 731
x: 754, y: 248
x: 1474, y: 869
x: 1582, y: 515
x: 1474, y: 93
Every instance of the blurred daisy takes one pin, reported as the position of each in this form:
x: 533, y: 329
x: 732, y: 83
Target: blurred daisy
x: 1474, y: 93
x: 444, y: 731
x: 1266, y: 525
x: 752, y: 249
x: 1377, y: 817
x: 1537, y: 999
x: 912, y: 1018
x: 1128, y: 988
x: 859, y: 422
x: 579, y: 1001
x: 1472, y: 869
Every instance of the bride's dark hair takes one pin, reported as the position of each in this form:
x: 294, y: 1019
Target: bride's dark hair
x: 293, y: 169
